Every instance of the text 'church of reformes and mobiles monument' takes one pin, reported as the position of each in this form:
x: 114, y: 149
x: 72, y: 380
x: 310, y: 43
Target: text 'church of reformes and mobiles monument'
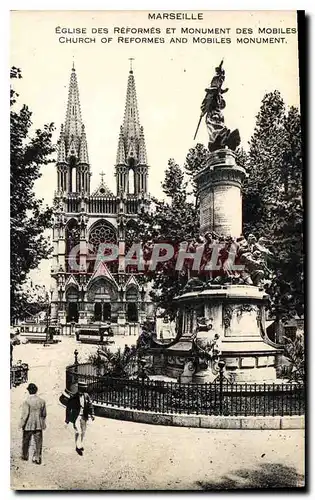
x: 85, y: 292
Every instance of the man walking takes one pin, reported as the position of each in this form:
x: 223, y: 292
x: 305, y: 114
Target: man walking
x: 78, y: 410
x: 33, y: 422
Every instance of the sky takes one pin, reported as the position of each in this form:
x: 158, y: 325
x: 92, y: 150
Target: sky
x: 170, y: 80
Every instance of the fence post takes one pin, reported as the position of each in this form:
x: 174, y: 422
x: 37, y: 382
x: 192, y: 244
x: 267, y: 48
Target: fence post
x: 76, y: 378
x: 143, y: 376
x: 76, y: 359
x: 221, y: 369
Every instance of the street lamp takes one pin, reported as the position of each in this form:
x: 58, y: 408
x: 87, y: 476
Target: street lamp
x: 221, y: 365
x: 47, y: 317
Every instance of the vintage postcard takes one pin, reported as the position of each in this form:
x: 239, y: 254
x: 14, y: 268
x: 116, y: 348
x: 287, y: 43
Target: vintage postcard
x: 157, y: 303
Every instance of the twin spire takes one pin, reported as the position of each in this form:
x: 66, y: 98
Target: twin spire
x: 72, y: 141
x: 131, y: 144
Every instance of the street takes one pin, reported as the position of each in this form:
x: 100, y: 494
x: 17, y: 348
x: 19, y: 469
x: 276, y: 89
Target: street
x: 123, y: 455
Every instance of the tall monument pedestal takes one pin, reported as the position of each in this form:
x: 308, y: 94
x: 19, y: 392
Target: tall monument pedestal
x: 219, y: 186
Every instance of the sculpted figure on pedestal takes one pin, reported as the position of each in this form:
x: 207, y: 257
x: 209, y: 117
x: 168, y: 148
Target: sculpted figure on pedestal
x: 212, y: 105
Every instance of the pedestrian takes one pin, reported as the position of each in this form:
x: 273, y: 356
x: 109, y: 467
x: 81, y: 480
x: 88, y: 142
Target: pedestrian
x: 33, y: 422
x: 78, y: 410
x: 11, y: 353
x: 14, y: 340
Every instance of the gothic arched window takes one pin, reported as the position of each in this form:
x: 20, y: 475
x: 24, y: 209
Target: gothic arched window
x: 101, y: 233
x: 131, y: 181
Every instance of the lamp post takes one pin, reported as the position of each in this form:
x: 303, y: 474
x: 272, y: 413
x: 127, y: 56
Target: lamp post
x: 47, y: 317
x: 143, y: 376
x: 76, y: 357
x: 221, y: 365
x: 76, y: 376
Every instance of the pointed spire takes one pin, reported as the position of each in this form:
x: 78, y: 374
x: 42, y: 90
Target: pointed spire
x: 73, y: 123
x: 121, y: 156
x: 131, y: 150
x: 61, y: 155
x: 83, y: 156
x: 131, y: 139
x: 131, y: 124
x: 142, y: 149
x: 72, y: 145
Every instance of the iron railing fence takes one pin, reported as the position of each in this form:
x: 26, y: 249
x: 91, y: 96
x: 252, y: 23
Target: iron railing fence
x: 217, y: 398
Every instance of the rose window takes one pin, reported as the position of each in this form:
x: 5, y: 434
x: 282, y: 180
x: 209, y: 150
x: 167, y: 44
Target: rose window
x: 101, y: 234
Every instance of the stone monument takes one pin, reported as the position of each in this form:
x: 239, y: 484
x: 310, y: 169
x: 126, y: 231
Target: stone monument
x: 232, y: 299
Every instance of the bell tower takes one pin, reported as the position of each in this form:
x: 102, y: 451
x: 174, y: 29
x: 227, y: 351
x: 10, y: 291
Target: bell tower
x: 70, y: 210
x: 131, y: 162
x: 73, y: 168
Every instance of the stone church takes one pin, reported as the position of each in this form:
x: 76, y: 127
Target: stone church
x: 91, y: 293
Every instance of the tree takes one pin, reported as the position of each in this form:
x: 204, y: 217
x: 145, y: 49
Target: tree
x: 173, y: 221
x: 295, y: 355
x: 196, y: 160
x: 29, y: 216
x: 272, y: 200
x: 36, y: 298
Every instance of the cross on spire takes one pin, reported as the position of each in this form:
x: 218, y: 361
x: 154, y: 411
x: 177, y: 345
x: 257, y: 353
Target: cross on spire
x: 102, y: 176
x: 131, y: 59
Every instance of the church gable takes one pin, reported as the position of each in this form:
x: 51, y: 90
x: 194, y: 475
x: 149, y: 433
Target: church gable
x: 132, y: 282
x: 71, y: 281
x: 103, y: 271
x: 102, y: 190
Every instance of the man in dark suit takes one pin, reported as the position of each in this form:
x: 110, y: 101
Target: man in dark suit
x: 33, y: 422
x: 78, y: 410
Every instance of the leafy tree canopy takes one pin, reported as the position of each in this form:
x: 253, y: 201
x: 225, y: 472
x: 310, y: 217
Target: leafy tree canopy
x: 172, y: 221
x: 272, y: 200
x: 29, y: 216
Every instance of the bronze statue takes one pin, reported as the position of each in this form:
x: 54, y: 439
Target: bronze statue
x: 219, y: 135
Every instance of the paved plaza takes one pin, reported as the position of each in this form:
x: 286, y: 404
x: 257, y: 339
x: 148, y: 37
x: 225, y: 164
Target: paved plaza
x: 127, y: 455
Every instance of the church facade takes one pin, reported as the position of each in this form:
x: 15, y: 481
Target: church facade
x: 87, y: 290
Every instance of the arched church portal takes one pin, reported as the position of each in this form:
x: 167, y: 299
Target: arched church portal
x: 132, y: 305
x: 102, y: 293
x: 72, y: 297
